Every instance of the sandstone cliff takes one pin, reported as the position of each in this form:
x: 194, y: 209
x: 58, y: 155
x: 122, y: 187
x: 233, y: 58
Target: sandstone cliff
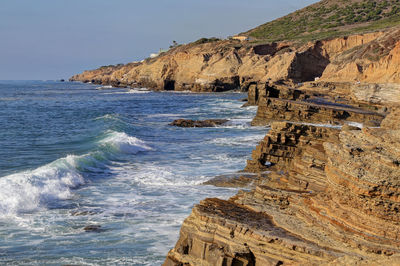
x: 331, y: 197
x: 226, y: 65
x: 320, y: 195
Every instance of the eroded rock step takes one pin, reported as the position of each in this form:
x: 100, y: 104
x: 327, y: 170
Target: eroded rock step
x: 220, y: 232
x: 277, y: 109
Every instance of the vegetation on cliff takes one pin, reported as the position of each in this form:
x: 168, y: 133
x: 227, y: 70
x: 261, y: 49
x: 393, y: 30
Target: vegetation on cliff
x: 330, y: 18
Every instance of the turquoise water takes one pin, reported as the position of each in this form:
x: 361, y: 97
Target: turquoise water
x: 73, y: 156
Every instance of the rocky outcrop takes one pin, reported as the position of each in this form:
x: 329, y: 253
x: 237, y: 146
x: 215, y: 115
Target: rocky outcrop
x: 280, y: 103
x: 275, y: 109
x: 330, y: 197
x: 295, y: 149
x: 198, y: 123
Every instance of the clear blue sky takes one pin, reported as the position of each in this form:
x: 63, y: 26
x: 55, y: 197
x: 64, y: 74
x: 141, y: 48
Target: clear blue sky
x: 52, y: 39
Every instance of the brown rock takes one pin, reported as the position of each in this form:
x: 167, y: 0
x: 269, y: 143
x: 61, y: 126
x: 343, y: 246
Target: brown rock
x: 332, y: 198
x: 225, y: 65
x: 310, y: 110
x: 93, y: 228
x: 198, y: 123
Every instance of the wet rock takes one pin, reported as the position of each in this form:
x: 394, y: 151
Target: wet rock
x: 93, y: 228
x: 238, y: 180
x: 198, y: 123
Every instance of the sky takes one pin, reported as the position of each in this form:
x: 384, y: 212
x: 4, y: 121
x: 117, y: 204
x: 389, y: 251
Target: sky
x: 55, y: 39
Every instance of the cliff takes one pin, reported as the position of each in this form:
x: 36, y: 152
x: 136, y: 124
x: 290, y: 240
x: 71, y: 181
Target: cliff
x: 330, y: 196
x: 226, y: 65
x: 214, y: 66
x: 318, y: 194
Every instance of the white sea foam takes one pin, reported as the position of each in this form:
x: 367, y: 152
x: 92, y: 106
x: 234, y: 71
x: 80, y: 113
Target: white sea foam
x: 30, y: 190
x: 239, y: 141
x: 164, y: 115
x: 237, y: 123
x: 107, y: 116
x: 155, y: 175
x: 104, y: 87
x: 138, y: 90
x: 121, y: 142
x: 131, y: 91
x: 355, y: 124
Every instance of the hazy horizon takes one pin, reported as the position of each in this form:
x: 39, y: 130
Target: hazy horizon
x: 47, y: 39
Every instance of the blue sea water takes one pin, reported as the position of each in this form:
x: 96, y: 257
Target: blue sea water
x: 72, y: 156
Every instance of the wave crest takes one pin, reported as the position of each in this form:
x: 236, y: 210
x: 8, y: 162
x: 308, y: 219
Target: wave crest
x: 32, y: 190
x: 121, y: 142
x: 28, y: 191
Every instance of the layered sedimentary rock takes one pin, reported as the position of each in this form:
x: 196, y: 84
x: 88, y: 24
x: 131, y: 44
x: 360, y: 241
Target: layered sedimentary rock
x: 280, y: 103
x: 332, y: 197
x: 376, y: 61
x: 228, y: 64
x: 295, y: 150
x: 320, y: 195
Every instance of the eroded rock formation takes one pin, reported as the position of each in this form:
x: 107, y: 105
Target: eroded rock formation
x: 319, y: 194
x: 227, y: 65
x: 331, y: 197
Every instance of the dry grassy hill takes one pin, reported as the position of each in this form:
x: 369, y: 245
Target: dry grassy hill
x: 330, y: 18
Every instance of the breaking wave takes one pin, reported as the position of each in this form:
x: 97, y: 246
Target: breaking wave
x: 32, y: 190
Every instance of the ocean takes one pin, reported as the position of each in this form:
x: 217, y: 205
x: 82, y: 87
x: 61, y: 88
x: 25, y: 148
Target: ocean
x: 74, y: 156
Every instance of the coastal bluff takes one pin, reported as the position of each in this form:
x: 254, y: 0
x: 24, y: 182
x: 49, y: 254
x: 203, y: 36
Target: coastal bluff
x: 230, y: 64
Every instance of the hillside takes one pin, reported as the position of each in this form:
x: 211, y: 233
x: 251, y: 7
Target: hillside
x: 329, y: 18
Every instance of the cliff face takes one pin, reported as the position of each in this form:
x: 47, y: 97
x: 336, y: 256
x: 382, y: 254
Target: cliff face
x: 226, y: 65
x: 319, y: 194
x: 331, y: 197
x: 374, y: 62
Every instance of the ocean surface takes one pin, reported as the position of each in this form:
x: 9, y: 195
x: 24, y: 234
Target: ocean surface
x: 73, y: 156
